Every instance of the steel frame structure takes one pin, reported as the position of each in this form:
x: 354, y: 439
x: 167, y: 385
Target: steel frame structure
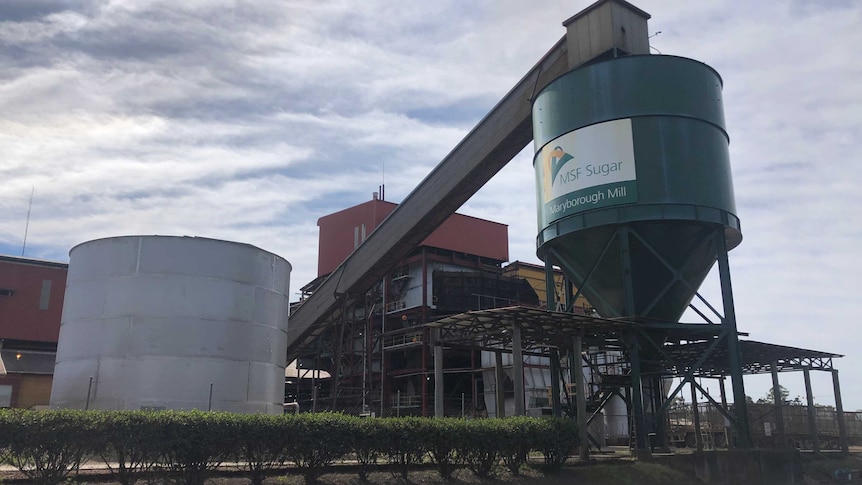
x: 697, y: 352
x: 645, y: 343
x: 655, y: 349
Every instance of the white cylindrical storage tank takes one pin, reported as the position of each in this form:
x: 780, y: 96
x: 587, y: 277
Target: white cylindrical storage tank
x: 161, y: 322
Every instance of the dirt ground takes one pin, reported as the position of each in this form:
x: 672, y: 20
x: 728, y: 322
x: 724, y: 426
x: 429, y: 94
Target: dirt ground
x: 613, y: 470
x: 619, y: 472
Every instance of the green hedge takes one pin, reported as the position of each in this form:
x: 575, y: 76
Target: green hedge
x: 48, y: 446
x: 128, y: 437
x: 262, y: 444
x: 318, y: 440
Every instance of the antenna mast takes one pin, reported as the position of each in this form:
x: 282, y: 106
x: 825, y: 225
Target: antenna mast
x: 27, y: 225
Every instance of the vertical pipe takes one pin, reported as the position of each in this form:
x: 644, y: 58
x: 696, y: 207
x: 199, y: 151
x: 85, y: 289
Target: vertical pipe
x: 550, y: 284
x: 518, y: 369
x: 424, y: 285
x: 812, y: 411
x: 336, y: 365
x: 734, y: 354
x: 473, y: 384
x: 778, y: 401
x: 498, y: 374
x: 314, y: 374
x: 698, y: 438
x: 556, y: 408
x: 210, y: 405
x: 424, y: 374
x: 581, y: 390
x: 366, y: 358
x: 89, y: 389
x: 438, y: 373
x: 382, y: 375
x: 629, y: 413
x: 839, y: 411
x: 382, y: 350
x: 462, y: 405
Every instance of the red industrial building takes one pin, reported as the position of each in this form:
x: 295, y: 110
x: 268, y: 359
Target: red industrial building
x: 343, y: 231
x: 380, y: 356
x: 31, y: 305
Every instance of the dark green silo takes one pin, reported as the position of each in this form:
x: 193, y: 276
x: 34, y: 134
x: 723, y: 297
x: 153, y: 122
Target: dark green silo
x: 636, y: 142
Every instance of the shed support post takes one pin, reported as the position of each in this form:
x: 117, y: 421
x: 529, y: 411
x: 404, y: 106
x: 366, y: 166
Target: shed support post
x: 812, y: 411
x: 839, y: 411
x: 556, y: 407
x: 581, y: 390
x: 779, y: 412
x: 659, y: 416
x: 518, y: 369
x: 438, y: 373
x: 698, y: 438
x: 499, y: 380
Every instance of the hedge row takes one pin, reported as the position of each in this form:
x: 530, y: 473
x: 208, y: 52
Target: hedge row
x: 48, y: 446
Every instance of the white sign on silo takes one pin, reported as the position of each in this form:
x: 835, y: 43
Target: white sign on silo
x: 161, y: 322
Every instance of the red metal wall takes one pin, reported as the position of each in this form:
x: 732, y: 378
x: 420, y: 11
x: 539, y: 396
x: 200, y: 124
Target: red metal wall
x: 20, y: 315
x: 459, y: 233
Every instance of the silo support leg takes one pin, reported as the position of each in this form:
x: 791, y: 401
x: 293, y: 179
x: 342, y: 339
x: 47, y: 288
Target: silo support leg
x: 637, y: 396
x: 734, y: 357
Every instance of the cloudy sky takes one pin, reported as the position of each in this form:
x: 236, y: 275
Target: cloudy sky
x: 248, y: 121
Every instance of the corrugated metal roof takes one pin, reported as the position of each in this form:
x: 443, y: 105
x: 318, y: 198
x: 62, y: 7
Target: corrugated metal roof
x: 39, y: 262
x: 490, y: 329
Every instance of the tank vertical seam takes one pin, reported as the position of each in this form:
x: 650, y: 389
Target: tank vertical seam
x: 138, y: 259
x: 248, y: 382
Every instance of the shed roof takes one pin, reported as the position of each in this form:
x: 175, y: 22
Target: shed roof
x: 683, y: 344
